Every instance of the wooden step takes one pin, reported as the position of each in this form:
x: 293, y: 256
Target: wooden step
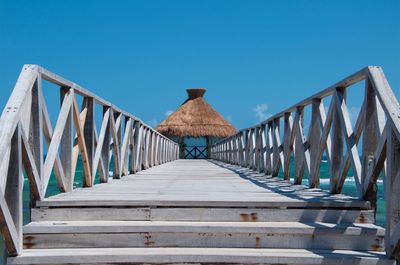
x: 116, y: 234
x: 198, y: 256
x: 233, y: 201
x: 202, y: 214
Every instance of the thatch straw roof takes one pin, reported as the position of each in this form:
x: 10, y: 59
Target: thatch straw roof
x: 196, y: 118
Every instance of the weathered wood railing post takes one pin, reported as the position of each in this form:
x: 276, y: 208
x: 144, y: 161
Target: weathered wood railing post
x: 36, y: 131
x: 106, y: 139
x: 268, y: 150
x: 287, y: 144
x: 315, y: 135
x: 300, y: 151
x: 26, y: 120
x: 276, y: 148
x: 66, y: 144
x: 13, y: 192
x: 374, y: 124
x: 264, y: 149
x: 392, y: 192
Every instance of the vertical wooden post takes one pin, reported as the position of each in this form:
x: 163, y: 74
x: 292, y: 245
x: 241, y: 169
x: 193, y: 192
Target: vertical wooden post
x: 36, y: 128
x: 336, y: 150
x: 276, y: 146
x: 262, y: 148
x: 14, y: 186
x: 370, y: 142
x: 268, y: 151
x: 133, y: 146
x: 88, y: 131
x: 298, y: 150
x: 105, y: 150
x: 392, y: 192
x: 150, y: 148
x: 257, y: 149
x: 373, y: 129
x: 287, y: 145
x: 146, y: 148
x: 315, y: 135
x: 240, y: 149
x: 156, y: 150
x: 117, y: 138
x: 235, y: 150
x: 66, y: 145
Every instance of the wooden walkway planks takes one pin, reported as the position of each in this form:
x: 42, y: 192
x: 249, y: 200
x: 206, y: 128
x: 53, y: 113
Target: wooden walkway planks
x: 201, y: 183
x: 201, y: 211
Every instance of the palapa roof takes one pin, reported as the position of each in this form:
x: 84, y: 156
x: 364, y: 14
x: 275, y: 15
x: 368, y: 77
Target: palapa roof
x: 196, y: 118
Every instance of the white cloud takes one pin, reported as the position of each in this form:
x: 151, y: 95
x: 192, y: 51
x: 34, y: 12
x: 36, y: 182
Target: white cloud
x: 153, y: 123
x: 168, y: 112
x: 261, y: 112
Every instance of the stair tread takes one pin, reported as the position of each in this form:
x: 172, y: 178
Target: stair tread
x: 93, y: 200
x: 197, y: 255
x: 48, y: 227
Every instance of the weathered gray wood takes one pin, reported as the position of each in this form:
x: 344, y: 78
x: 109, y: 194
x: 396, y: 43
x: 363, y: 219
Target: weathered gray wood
x: 201, y: 183
x: 53, y: 146
x: 115, y: 128
x: 10, y: 232
x: 103, y: 146
x: 288, y: 141
x: 89, y: 136
x: 105, y: 150
x: 102, y: 173
x: 350, y: 140
x: 210, y: 214
x: 337, y: 146
x: 132, y: 149
x: 392, y: 192
x: 124, y: 148
x: 75, y: 150
x: 268, y: 152
x: 35, y: 137
x: 325, y: 143
x: 137, y: 147
x: 23, y: 124
x: 314, y: 141
x: 386, y: 96
x: 276, y: 162
x: 378, y: 165
x: 302, y: 150
x: 290, y: 235
x: 13, y: 110
x: 31, y: 169
x: 370, y: 143
x: 13, y: 194
x: 48, y: 134
x: 263, y: 149
x: 66, y: 146
x: 199, y: 256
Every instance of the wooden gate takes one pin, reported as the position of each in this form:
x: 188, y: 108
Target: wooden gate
x: 195, y: 152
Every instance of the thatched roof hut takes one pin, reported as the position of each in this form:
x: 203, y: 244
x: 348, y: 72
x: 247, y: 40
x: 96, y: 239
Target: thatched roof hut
x: 195, y: 125
x: 196, y: 118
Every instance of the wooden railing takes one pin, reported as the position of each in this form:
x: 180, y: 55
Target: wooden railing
x: 331, y: 136
x: 123, y: 139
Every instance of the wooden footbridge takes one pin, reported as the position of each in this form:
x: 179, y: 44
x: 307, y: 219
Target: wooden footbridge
x: 231, y: 209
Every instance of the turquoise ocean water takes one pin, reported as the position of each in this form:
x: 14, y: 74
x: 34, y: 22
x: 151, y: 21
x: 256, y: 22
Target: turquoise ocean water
x: 349, y: 189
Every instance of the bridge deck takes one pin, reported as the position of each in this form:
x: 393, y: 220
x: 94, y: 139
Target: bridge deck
x: 201, y: 183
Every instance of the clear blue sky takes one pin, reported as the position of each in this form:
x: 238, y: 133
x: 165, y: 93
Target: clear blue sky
x: 142, y: 55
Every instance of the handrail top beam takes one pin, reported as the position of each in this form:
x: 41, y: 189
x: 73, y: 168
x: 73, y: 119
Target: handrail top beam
x: 346, y: 82
x: 63, y: 82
